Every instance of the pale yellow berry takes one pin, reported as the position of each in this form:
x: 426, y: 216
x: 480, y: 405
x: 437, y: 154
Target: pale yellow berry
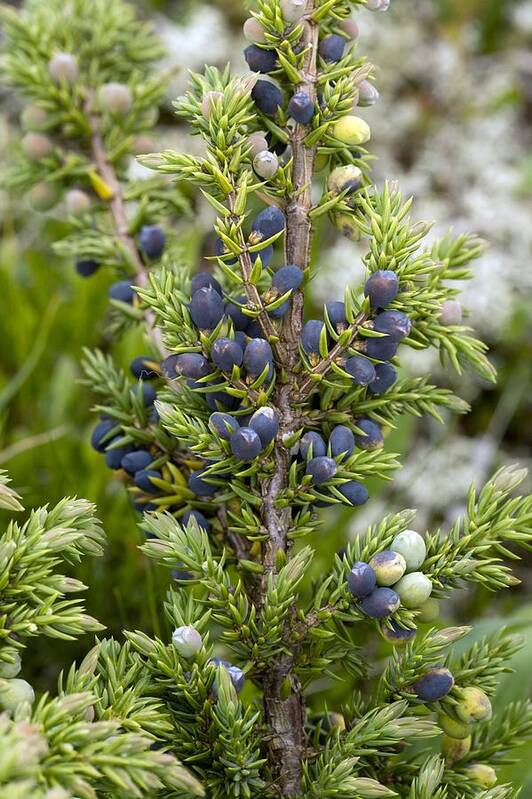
x: 454, y: 749
x: 351, y: 130
x: 482, y: 775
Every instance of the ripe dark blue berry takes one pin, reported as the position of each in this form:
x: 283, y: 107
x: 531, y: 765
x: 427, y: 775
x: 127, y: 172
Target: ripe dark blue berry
x: 206, y: 308
x: 147, y: 394
x: 143, y: 480
x: 267, y: 96
x: 235, y: 313
x: 114, y: 457
x: 332, y: 47
x: 355, y: 493
x: 169, y: 366
x: 382, y: 349
x: 136, y: 461
x: 204, y: 280
x: 336, y: 313
x: 221, y: 252
x: 301, y: 108
x: 385, y: 377
x: 310, y: 336
x: 266, y: 255
x: 380, y: 603
x: 342, y: 441
x: 152, y: 240
x: 278, y: 313
x: 199, y: 486
x: 199, y: 517
x: 122, y: 291
x: 257, y: 356
x: 223, y: 424
x: 254, y: 331
x: 382, y: 288
x: 193, y: 365
x: 226, y: 353
x: 259, y: 59
x: 434, y: 685
x: 245, y: 444
x: 217, y: 399
x: 87, y: 267
x: 361, y: 370
x: 287, y: 278
x: 265, y: 422
x: 314, y: 440
x: 395, y: 323
x: 141, y: 368
x: 361, y: 580
x: 269, y: 222
x: 99, y: 440
x: 321, y: 469
x: 372, y: 435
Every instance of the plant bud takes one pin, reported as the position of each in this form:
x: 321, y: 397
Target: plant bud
x: 34, y: 117
x: 368, y: 94
x: 453, y: 727
x: 77, y: 201
x: 253, y: 31
x: 115, y: 98
x: 414, y: 589
x: 63, y: 67
x: 187, y: 641
x: 43, y: 196
x: 454, y: 749
x: 451, y: 313
x: 10, y: 670
x: 207, y: 103
x: 293, y: 10
x: 482, y: 775
x: 351, y: 130
x: 266, y: 164
x: 36, y: 146
x: 14, y: 693
x: 412, y: 547
x: 474, y: 705
x: 388, y: 566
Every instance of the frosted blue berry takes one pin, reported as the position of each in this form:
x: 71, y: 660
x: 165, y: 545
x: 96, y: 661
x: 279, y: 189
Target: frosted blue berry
x: 361, y: 580
x: 136, y: 461
x: 87, y: 267
x: 381, y: 349
x: 312, y: 445
x: 142, y: 369
x: 257, y: 356
x: 217, y: 399
x: 361, y: 370
x: 223, y: 424
x: 143, y: 480
x: 388, y: 566
x: 355, y: 493
x: 193, y: 365
x: 259, y: 59
x: 279, y: 312
x: 372, y: 436
x: 114, y: 457
x: 287, y: 278
x: 265, y: 422
x: 310, y: 336
x: 412, y: 547
x: 99, y: 437
x: 199, y: 517
x: 385, y: 377
x: 380, y: 603
x: 152, y: 240
x: 169, y: 366
x: 245, y: 444
x: 226, y: 353
x: 206, y: 309
x: 254, y: 331
x: 434, y: 685
x: 398, y: 635
x: 146, y: 394
x: 342, y: 441
x: 382, y: 288
x: 221, y: 251
x: 204, y: 280
x: 269, y: 222
x: 187, y: 641
x: 238, y: 317
x: 336, y: 314
x: 199, y: 486
x: 122, y: 291
x: 395, y: 323
x: 266, y: 255
x: 267, y: 96
x: 321, y: 469
x: 331, y: 48
x: 301, y: 108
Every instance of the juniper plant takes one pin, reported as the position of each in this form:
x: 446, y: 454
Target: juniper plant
x: 245, y: 419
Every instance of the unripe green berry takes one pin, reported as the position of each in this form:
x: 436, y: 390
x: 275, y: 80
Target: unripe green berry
x: 43, y: 196
x: 482, y: 775
x: 412, y: 547
x: 34, y: 117
x: 207, y: 103
x: 36, y: 146
x: 452, y: 727
x: 293, y: 10
x: 351, y: 130
x: 474, y: 705
x: 413, y: 589
x: 266, y: 164
x: 187, y: 641
x: 344, y: 178
x: 429, y: 611
x: 115, y: 98
x: 388, y: 566
x: 14, y: 693
x: 77, y: 201
x: 347, y: 225
x: 454, y: 749
x: 253, y: 31
x: 10, y: 670
x: 63, y: 67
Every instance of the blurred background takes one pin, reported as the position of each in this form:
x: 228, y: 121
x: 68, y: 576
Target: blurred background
x: 454, y: 125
